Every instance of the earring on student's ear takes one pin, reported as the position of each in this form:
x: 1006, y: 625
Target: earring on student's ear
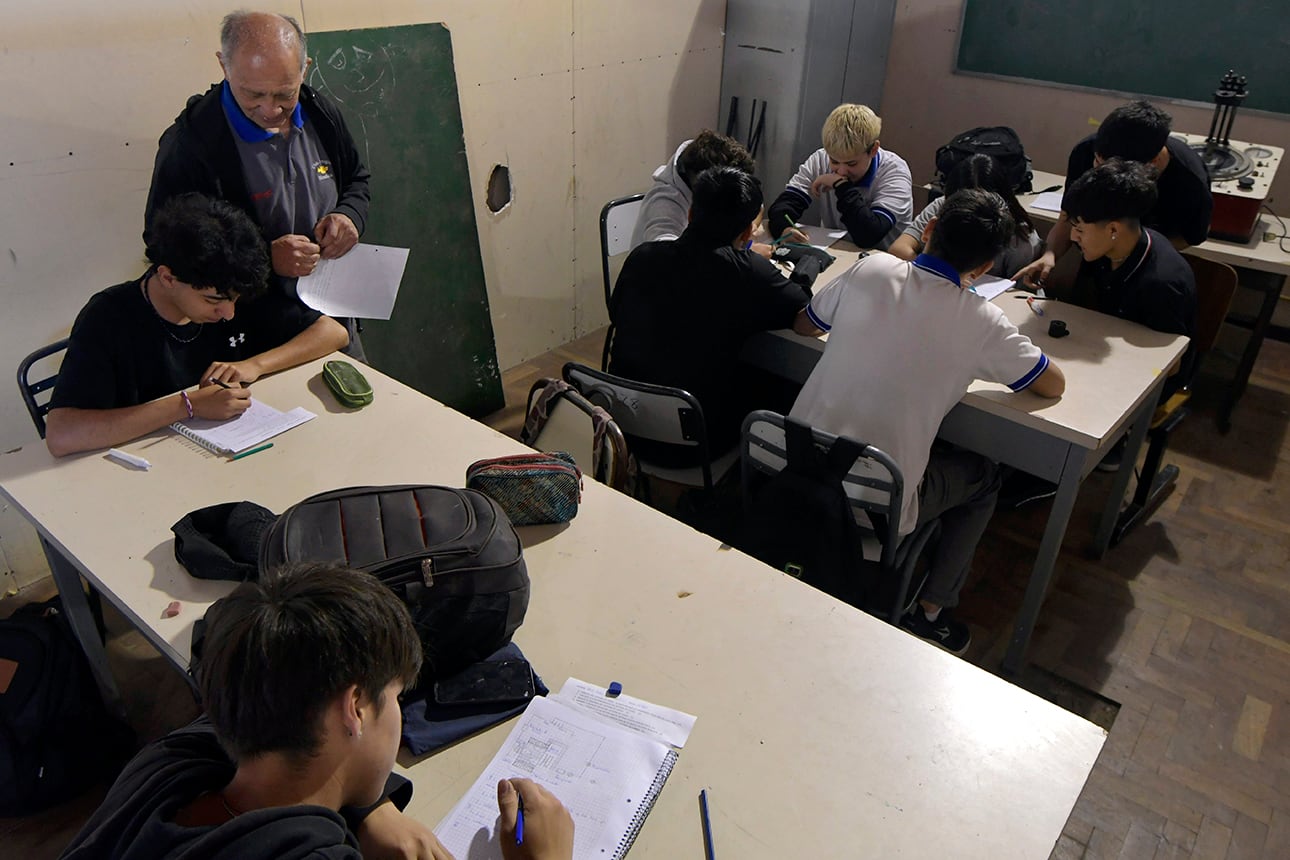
x: 1112, y: 235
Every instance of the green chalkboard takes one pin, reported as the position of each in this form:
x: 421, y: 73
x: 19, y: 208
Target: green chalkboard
x: 398, y: 91
x: 1178, y: 49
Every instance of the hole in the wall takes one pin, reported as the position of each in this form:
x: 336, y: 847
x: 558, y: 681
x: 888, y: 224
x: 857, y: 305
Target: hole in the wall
x: 499, y: 188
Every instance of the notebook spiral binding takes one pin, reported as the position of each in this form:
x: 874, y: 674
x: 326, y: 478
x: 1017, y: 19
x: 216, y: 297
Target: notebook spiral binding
x: 643, y: 811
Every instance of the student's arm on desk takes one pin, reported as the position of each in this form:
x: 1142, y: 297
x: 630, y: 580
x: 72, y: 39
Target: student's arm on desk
x: 906, y: 247
x: 1059, y: 242
x: 323, y: 337
x: 1051, y: 383
x: 69, y: 430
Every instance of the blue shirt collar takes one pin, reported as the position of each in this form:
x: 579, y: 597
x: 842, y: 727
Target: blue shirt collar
x: 867, y: 179
x: 938, y: 267
x: 242, y: 124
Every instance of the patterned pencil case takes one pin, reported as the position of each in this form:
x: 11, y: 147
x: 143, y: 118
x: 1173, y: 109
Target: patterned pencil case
x: 531, y: 488
x: 349, y: 386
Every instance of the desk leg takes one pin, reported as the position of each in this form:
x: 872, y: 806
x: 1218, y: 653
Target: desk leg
x: 1120, y: 483
x: 1252, y: 346
x: 81, y: 619
x: 1046, y: 560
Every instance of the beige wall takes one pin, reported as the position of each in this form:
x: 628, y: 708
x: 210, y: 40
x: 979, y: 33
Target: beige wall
x: 925, y: 104
x: 582, y: 100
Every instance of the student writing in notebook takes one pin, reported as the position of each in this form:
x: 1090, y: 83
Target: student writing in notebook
x: 300, y: 676
x: 136, y: 347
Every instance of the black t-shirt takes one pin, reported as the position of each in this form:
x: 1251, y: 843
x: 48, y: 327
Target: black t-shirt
x: 136, y: 819
x: 1183, y: 204
x: 121, y: 353
x: 682, y: 310
x: 1154, y: 287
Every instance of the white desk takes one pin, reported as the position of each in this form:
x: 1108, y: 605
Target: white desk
x: 822, y: 732
x: 1258, y: 255
x: 1114, y: 373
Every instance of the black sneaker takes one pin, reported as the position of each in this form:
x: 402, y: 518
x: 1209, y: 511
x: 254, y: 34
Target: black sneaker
x: 944, y: 632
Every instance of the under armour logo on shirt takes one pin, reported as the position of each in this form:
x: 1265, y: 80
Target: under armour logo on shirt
x: 233, y: 341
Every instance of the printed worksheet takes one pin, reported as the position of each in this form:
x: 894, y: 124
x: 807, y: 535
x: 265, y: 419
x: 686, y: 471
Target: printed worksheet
x: 364, y: 283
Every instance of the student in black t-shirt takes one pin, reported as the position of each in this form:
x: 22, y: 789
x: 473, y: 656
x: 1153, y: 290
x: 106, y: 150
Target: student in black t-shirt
x: 682, y: 309
x: 300, y: 676
x: 1129, y: 270
x: 133, y: 346
x: 1139, y: 131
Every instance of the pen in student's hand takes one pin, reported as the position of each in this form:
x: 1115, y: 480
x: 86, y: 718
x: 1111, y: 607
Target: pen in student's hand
x: 221, y: 383
x: 519, y: 818
x: 708, y: 851
x: 264, y: 447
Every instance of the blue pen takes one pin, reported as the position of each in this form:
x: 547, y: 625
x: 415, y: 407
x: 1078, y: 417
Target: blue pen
x: 708, y: 851
x: 519, y: 820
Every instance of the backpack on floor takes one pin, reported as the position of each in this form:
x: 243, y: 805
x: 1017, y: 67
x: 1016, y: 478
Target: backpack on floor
x: 451, y: 555
x: 999, y: 142
x: 56, y: 736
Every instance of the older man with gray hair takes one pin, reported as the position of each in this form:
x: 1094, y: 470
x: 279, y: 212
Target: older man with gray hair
x: 268, y: 143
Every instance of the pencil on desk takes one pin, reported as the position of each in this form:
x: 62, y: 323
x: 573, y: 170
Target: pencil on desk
x: 264, y: 447
x: 708, y: 851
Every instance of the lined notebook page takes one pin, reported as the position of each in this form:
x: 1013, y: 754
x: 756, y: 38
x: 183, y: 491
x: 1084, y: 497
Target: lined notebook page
x: 257, y: 424
x: 606, y: 776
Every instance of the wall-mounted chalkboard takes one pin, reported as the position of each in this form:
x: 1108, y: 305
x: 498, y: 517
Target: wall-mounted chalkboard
x: 398, y: 91
x: 1177, y: 49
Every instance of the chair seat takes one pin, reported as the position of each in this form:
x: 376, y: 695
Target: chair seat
x: 692, y: 476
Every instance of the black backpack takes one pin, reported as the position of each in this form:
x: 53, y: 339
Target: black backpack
x: 451, y: 555
x: 800, y: 519
x: 56, y: 736
x: 999, y: 142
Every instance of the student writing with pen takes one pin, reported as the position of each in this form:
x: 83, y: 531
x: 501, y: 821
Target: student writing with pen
x: 137, y: 349
x: 861, y: 187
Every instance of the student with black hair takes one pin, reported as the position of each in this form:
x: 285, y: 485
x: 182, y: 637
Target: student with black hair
x: 978, y: 171
x: 665, y: 210
x: 682, y: 309
x: 1129, y: 270
x: 905, y: 341
x: 137, y: 349
x: 1139, y: 132
x: 300, y: 677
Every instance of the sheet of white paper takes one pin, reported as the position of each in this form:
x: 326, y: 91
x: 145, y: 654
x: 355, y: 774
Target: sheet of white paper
x: 988, y: 287
x: 601, y: 773
x: 363, y: 283
x: 259, y: 423
x: 664, y: 724
x: 822, y: 237
x: 1049, y: 201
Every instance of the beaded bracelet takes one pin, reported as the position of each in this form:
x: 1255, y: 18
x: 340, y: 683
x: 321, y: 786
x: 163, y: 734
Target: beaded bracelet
x: 188, y: 404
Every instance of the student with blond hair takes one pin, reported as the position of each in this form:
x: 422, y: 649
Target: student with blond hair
x: 861, y: 187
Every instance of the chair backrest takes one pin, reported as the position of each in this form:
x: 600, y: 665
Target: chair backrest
x: 874, y: 483
x: 1215, y: 286
x: 34, y: 393
x: 617, y: 221
x: 568, y: 423
x: 654, y: 412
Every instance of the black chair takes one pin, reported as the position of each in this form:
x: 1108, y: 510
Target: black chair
x: 874, y: 486
x: 558, y: 418
x: 38, y: 406
x: 659, y: 414
x: 617, y: 221
x: 1215, y: 286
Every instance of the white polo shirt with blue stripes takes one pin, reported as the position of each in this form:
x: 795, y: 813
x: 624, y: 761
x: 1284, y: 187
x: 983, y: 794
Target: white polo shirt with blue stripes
x: 887, y: 187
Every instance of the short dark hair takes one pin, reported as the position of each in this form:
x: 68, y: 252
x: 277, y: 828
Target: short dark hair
x: 971, y: 229
x: 981, y: 171
x: 278, y: 651
x: 710, y: 149
x: 1116, y: 190
x: 726, y: 200
x: 1136, y: 131
x: 210, y: 243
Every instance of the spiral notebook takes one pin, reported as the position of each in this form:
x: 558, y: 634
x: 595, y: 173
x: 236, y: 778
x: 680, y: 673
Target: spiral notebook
x: 257, y: 424
x: 607, y: 774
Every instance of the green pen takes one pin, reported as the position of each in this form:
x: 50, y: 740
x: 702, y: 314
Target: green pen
x: 263, y: 447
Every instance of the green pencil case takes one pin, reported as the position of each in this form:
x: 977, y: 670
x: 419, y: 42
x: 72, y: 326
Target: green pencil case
x: 349, y: 386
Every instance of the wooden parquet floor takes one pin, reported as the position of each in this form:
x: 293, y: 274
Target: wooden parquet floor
x: 1179, y: 639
